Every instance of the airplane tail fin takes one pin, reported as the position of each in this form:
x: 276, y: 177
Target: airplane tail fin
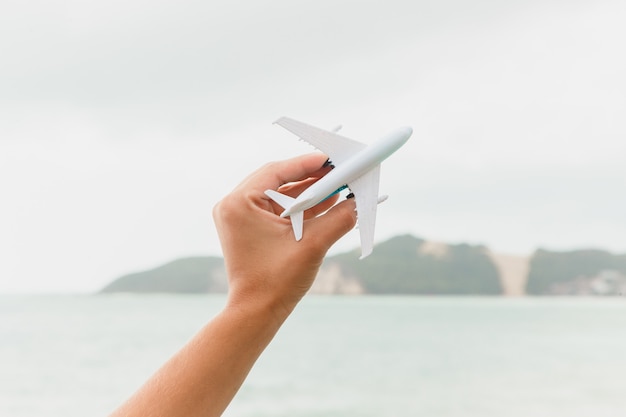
x: 297, y: 218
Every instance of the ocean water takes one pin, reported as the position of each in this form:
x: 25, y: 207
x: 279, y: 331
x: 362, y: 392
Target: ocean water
x: 336, y: 356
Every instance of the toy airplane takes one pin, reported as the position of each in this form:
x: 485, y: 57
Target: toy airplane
x: 357, y: 166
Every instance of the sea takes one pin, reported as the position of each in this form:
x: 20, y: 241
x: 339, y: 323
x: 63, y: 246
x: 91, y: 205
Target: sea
x: 83, y: 355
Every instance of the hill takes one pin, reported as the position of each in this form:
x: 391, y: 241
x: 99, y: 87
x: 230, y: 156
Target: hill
x: 409, y: 265
x: 187, y: 275
x: 578, y: 272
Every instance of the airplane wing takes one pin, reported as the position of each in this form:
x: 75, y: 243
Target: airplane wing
x: 337, y: 147
x: 365, y: 191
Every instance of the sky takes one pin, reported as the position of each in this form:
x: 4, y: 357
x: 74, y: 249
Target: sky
x: 122, y: 123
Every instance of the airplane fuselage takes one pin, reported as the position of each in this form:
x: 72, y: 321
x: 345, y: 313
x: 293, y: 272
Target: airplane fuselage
x: 349, y: 170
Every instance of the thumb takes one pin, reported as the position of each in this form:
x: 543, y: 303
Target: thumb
x: 336, y: 222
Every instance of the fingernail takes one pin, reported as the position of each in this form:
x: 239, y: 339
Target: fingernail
x: 328, y: 163
x: 351, y: 195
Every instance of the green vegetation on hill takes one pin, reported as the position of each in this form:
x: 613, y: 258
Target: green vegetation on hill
x: 570, y: 272
x: 398, y: 266
x: 187, y: 275
x: 409, y: 265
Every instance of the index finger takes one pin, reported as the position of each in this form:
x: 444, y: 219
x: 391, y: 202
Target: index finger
x: 275, y: 174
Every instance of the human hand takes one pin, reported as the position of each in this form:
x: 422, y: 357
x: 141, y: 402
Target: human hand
x: 266, y: 266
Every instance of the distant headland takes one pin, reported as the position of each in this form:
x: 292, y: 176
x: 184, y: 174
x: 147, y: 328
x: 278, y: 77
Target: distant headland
x: 410, y: 265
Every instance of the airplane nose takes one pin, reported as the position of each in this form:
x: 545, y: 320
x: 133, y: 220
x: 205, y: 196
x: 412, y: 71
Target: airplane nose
x: 407, y: 131
x: 403, y: 134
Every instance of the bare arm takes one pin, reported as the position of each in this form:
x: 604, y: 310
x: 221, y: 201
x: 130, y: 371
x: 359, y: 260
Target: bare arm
x: 268, y: 272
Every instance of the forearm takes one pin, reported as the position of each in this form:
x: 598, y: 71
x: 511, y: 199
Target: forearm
x: 203, y: 377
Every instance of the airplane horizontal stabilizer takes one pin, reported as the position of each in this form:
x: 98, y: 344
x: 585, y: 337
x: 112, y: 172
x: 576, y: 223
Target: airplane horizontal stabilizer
x: 297, y: 218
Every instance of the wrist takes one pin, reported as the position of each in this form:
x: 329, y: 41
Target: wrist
x: 267, y: 310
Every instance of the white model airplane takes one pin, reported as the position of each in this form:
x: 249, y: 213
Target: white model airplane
x: 357, y: 166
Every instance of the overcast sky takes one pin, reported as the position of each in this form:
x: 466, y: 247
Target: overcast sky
x: 123, y: 122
